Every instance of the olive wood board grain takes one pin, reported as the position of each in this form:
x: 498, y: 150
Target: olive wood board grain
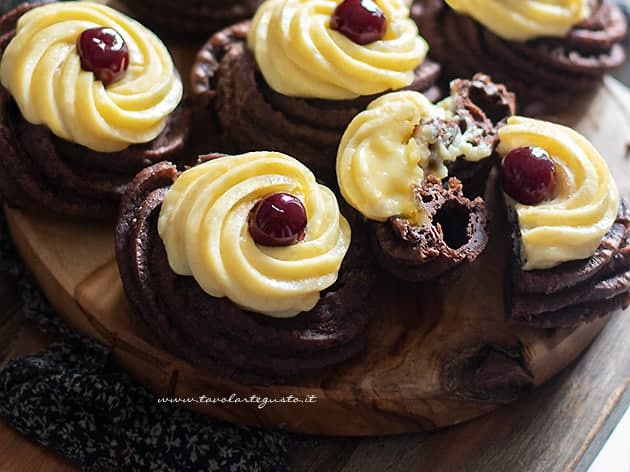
x: 560, y: 426
x: 437, y: 354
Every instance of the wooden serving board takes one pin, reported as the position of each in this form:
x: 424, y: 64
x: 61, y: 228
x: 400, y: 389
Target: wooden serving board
x: 438, y: 354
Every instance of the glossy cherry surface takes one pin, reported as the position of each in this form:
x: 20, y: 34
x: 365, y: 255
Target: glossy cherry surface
x: 360, y: 20
x: 104, y: 52
x: 529, y: 175
x: 278, y: 219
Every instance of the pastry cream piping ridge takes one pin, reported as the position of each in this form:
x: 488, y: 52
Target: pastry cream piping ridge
x: 300, y: 55
x: 572, y: 224
x: 203, y: 224
x: 522, y: 20
x: 42, y: 71
x: 388, y: 148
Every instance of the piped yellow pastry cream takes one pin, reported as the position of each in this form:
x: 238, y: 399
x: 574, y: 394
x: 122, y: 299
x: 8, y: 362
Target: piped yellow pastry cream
x: 42, y: 71
x: 522, y: 20
x: 572, y: 223
x: 204, y: 225
x: 301, y: 55
x: 393, y: 144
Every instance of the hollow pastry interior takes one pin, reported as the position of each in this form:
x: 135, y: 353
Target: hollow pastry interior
x: 453, y: 233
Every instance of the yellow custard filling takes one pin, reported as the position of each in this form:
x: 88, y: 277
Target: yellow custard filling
x: 389, y: 147
x: 203, y: 224
x: 42, y: 71
x: 521, y: 20
x: 571, y: 225
x: 300, y: 55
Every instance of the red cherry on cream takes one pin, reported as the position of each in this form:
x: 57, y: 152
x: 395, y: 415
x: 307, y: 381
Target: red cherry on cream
x: 278, y: 220
x: 362, y: 21
x: 529, y: 175
x: 104, y: 52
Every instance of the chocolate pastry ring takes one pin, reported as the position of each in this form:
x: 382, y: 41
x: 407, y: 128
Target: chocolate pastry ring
x: 226, y: 83
x: 40, y: 171
x: 574, y: 292
x: 543, y: 72
x: 216, y: 334
x: 195, y: 17
x: 455, y: 232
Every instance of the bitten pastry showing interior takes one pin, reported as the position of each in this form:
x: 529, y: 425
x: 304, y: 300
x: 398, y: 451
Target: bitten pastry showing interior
x: 293, y: 78
x: 245, y: 266
x: 544, y: 50
x: 391, y: 163
x: 88, y: 98
x: 571, y: 230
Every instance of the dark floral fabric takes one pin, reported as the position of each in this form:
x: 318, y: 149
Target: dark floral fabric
x: 72, y: 398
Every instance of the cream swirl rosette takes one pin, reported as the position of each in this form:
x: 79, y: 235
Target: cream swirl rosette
x: 521, y: 20
x: 388, y: 148
x: 300, y: 55
x: 571, y: 225
x: 204, y: 226
x: 42, y: 71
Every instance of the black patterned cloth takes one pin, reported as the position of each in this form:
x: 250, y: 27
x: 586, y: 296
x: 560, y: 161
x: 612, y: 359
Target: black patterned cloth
x: 72, y: 398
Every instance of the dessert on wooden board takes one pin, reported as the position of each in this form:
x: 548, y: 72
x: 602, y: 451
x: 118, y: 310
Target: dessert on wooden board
x: 546, y: 51
x: 207, y: 255
x: 192, y: 254
x: 211, y: 258
x: 244, y: 265
x: 88, y: 98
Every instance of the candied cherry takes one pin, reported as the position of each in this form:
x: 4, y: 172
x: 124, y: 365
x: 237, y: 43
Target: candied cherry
x: 104, y: 52
x: 278, y: 219
x: 362, y: 21
x: 529, y: 175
